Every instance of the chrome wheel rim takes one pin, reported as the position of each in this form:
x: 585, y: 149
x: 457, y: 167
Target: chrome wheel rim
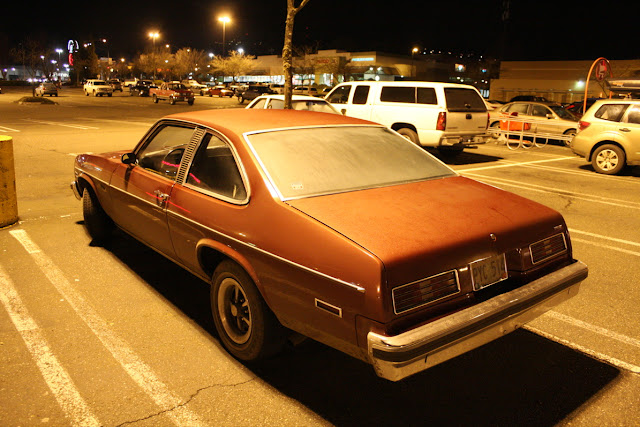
x: 607, y: 160
x: 234, y: 311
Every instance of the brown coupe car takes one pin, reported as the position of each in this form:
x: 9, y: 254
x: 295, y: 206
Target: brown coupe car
x: 336, y: 228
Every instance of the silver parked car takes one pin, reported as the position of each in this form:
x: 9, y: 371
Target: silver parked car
x: 547, y: 118
x: 46, y: 88
x: 609, y: 135
x: 298, y: 102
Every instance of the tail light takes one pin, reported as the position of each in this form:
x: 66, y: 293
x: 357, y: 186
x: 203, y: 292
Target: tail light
x: 582, y: 125
x: 488, y: 118
x: 442, y: 121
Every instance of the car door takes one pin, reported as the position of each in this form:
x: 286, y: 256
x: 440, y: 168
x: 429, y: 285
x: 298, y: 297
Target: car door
x: 339, y: 97
x: 140, y: 191
x: 546, y: 120
x: 629, y: 128
x: 212, y: 196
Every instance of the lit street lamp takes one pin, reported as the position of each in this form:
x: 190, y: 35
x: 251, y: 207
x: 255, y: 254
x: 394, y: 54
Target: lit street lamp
x: 225, y: 20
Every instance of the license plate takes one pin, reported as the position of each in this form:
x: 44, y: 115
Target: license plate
x: 488, y: 271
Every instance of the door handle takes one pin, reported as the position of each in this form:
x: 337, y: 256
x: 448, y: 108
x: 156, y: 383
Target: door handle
x: 625, y: 130
x: 160, y: 195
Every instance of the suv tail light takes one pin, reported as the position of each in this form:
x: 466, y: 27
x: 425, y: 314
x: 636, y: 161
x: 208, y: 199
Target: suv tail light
x: 442, y: 121
x: 582, y: 125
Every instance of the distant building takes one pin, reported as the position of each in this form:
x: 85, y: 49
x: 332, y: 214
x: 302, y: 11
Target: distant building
x: 560, y: 81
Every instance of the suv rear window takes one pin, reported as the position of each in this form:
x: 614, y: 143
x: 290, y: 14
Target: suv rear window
x: 459, y: 99
x: 611, y: 112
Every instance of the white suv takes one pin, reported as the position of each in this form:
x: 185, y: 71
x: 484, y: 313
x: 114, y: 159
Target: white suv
x: 444, y: 115
x: 97, y: 88
x: 609, y: 135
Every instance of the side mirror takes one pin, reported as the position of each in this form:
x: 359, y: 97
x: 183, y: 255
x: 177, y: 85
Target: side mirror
x: 128, y: 158
x: 549, y: 116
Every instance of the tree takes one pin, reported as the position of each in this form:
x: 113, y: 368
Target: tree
x: 236, y: 64
x: 188, y: 61
x: 287, y: 50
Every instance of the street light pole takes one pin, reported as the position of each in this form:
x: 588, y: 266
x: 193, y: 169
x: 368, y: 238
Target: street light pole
x: 153, y: 35
x: 224, y: 20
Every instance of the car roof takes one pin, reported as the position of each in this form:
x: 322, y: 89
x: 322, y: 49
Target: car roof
x: 244, y: 120
x: 293, y: 97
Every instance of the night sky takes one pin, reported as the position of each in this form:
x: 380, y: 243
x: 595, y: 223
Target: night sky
x: 535, y: 30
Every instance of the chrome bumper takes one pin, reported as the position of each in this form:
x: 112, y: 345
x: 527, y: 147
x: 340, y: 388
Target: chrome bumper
x: 399, y: 356
x: 76, y: 191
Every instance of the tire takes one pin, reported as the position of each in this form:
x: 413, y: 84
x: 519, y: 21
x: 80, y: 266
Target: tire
x: 410, y: 135
x: 246, y: 326
x: 190, y: 102
x: 155, y: 98
x: 96, y: 221
x: 172, y: 100
x: 241, y: 100
x: 496, y: 126
x: 95, y: 93
x: 571, y: 132
x: 86, y: 93
x: 608, y: 159
x: 109, y: 95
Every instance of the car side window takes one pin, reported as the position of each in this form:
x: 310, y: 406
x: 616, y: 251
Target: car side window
x: 340, y: 95
x: 427, y: 95
x: 260, y: 104
x: 405, y: 94
x: 634, y: 115
x: 361, y: 94
x: 611, y: 112
x: 214, y: 169
x: 519, y: 108
x: 539, y: 110
x: 163, y: 152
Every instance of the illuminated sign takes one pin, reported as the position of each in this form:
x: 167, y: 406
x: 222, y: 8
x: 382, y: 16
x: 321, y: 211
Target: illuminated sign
x: 362, y: 59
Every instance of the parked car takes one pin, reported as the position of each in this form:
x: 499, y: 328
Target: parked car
x: 298, y: 102
x: 306, y: 90
x: 141, y: 88
x: 217, y: 91
x: 529, y: 98
x: 115, y: 84
x: 97, y: 88
x: 46, y: 88
x: 609, y: 135
x: 129, y: 82
x: 194, y: 85
x: 252, y: 92
x: 172, y: 92
x: 446, y: 116
x: 281, y: 213
x: 277, y: 88
x: 547, y: 119
x: 576, y: 108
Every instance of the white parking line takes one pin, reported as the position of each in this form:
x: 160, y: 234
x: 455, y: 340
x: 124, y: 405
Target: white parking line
x: 553, y: 190
x: 137, y: 369
x: 6, y: 129
x: 596, y: 354
x: 512, y: 164
x: 56, y: 377
x: 61, y: 124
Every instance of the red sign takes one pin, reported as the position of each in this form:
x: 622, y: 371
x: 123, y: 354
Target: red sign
x: 602, y: 69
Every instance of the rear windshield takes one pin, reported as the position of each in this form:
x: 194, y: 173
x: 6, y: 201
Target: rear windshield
x: 315, y: 161
x: 611, y: 112
x: 461, y: 99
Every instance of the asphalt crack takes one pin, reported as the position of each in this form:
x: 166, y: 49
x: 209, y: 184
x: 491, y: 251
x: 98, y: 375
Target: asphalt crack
x: 186, y: 402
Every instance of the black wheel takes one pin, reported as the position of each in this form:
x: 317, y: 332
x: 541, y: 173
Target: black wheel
x: 241, y: 100
x: 109, y: 95
x: 410, y: 135
x: 97, y: 223
x: 246, y: 326
x: 172, y: 100
x: 155, y: 98
x: 190, y: 102
x: 570, y: 132
x: 495, y: 127
x: 608, y: 159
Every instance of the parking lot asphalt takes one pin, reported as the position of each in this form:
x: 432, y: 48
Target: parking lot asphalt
x: 108, y: 336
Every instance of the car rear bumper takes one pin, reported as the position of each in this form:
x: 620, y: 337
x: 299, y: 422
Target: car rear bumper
x: 399, y: 356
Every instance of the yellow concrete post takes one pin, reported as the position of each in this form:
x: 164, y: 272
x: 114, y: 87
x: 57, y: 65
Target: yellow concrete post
x: 8, y: 199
